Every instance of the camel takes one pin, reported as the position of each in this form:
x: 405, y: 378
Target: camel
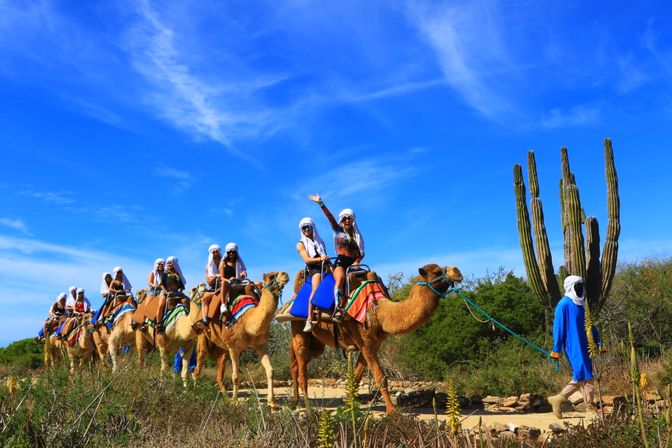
x: 179, y: 335
x: 84, y: 348
x: 250, y: 331
x: 110, y: 341
x: 386, y: 319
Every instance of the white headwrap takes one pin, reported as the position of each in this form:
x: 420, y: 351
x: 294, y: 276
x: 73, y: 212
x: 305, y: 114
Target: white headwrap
x: 124, y: 279
x: 212, y: 268
x: 570, y: 281
x: 358, y: 236
x: 70, y: 301
x: 176, y: 264
x: 240, y: 265
x: 61, y: 296
x: 104, y: 289
x: 314, y: 247
x: 157, y: 274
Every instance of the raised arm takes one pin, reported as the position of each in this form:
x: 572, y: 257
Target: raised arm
x: 334, y: 224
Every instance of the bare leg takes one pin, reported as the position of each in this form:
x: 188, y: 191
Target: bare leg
x: 160, y: 309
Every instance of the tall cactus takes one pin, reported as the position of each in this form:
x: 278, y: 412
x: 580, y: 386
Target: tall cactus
x: 581, y: 257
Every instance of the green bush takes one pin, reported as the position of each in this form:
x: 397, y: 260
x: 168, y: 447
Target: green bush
x: 456, y: 333
x: 23, y: 354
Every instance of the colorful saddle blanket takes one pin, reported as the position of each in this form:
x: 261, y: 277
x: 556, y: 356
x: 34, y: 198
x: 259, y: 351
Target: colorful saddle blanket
x: 125, y: 308
x: 239, y: 307
x: 173, y: 315
x: 363, y: 297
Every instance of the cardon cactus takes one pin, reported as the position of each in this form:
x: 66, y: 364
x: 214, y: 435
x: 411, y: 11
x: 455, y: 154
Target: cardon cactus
x: 582, y: 257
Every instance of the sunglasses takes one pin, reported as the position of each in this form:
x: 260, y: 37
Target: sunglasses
x: 307, y: 228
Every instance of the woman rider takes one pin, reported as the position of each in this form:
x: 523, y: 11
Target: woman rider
x: 104, y: 292
x: 231, y: 267
x: 56, y: 313
x: 349, y: 249
x: 120, y: 285
x: 213, y: 279
x: 154, y: 277
x: 314, y: 253
x: 82, y: 304
x: 172, y: 284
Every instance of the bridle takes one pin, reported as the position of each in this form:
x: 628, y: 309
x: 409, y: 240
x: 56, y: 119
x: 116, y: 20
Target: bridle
x: 441, y: 295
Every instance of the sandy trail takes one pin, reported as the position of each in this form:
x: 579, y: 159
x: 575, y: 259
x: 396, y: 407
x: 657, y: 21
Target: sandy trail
x: 332, y: 397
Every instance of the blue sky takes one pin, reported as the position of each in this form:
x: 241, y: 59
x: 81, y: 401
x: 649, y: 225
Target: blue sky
x: 133, y: 130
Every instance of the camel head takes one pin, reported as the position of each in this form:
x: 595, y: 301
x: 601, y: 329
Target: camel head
x: 275, y: 282
x: 440, y: 279
x: 141, y: 294
x: 299, y: 280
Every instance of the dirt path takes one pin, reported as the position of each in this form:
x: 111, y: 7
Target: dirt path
x: 332, y: 397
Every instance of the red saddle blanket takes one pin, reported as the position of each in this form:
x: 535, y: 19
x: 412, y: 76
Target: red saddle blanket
x: 239, y: 306
x: 366, y: 295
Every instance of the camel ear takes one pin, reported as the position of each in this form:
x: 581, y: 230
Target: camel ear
x: 423, y: 273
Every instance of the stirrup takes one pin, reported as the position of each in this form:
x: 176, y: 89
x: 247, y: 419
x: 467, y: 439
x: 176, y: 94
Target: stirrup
x: 338, y: 315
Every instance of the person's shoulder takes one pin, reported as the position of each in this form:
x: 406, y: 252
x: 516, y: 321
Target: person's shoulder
x: 563, y: 302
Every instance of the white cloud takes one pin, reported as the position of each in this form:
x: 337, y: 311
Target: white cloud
x: 468, y: 43
x: 178, y: 180
x: 15, y: 224
x: 580, y: 115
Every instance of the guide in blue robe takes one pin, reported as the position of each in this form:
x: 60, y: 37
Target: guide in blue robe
x: 569, y: 336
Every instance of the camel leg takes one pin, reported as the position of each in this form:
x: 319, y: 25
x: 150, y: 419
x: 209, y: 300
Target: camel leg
x: 266, y: 362
x: 140, y: 348
x: 302, y: 354
x: 221, y: 368
x: 113, y: 350
x: 186, y: 356
x: 359, y: 368
x: 234, y: 371
x: 201, y: 356
x: 165, y: 362
x: 379, y: 376
x: 294, y: 368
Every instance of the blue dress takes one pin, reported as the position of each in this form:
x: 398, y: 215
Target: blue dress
x: 569, y: 335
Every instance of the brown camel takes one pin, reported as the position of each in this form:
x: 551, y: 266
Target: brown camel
x: 386, y: 319
x: 84, y: 348
x: 121, y: 334
x: 179, y: 335
x: 250, y: 331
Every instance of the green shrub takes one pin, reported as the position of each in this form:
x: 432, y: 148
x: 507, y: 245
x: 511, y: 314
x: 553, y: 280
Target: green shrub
x: 22, y: 355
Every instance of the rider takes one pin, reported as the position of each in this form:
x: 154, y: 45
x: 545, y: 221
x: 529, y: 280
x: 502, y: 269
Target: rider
x: 349, y: 249
x: 56, y: 313
x: 212, y: 278
x: 154, y: 277
x: 231, y: 268
x: 104, y: 292
x: 314, y: 253
x: 172, y: 284
x: 119, y: 286
x: 70, y: 302
x: 82, y: 304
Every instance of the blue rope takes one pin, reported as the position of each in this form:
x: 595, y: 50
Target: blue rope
x: 493, y: 320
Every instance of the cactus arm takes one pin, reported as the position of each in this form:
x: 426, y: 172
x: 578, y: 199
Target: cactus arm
x: 576, y: 258
x: 544, y: 258
x: 610, y: 249
x: 525, y: 234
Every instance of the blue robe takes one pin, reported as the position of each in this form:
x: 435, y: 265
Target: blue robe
x: 569, y: 335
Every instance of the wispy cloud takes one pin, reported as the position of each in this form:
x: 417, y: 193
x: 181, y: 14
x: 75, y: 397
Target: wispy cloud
x: 55, y: 197
x: 179, y: 181
x: 215, y: 110
x: 15, y: 224
x: 580, y: 115
x: 468, y: 43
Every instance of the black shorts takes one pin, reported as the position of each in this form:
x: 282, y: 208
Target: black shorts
x: 344, y: 261
x: 312, y: 270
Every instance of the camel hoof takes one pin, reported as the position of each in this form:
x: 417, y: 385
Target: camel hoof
x: 273, y: 405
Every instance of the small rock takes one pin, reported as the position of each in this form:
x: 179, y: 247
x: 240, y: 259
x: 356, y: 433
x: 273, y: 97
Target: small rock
x: 506, y: 409
x: 509, y: 402
x: 491, y: 400
x: 576, y: 398
x: 652, y: 396
x: 557, y: 428
x: 506, y: 436
x: 528, y: 433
